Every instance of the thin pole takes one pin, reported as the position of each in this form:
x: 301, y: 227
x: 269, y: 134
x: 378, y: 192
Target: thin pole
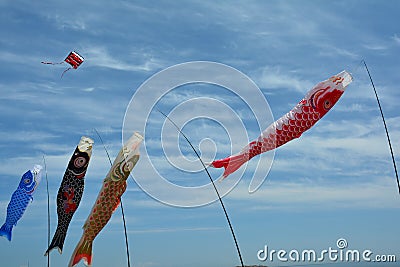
x: 120, y: 199
x: 48, y: 211
x: 384, y: 124
x: 215, y: 188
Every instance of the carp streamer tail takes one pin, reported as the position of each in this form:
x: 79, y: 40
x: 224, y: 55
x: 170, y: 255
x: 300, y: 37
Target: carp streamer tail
x: 384, y: 124
x: 122, y: 207
x: 215, y: 188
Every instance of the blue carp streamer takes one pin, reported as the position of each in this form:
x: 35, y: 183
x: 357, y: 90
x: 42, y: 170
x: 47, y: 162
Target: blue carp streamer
x: 20, y: 199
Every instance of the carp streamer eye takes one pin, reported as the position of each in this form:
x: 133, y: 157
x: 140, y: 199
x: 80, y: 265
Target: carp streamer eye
x: 327, y: 104
x: 27, y: 181
x: 79, y: 162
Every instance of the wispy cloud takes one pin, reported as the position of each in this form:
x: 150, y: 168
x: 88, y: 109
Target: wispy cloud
x: 276, y: 78
x: 305, y: 194
x: 173, y: 230
x: 396, y: 38
x: 328, y: 50
x: 375, y: 46
x: 65, y: 22
x: 10, y: 57
x: 286, y: 47
x: 100, y: 56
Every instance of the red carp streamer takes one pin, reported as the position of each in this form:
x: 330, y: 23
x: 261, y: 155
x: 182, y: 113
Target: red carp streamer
x: 317, y: 102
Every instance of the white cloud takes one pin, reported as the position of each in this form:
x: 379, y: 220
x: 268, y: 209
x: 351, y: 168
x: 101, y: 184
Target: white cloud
x: 396, y: 38
x: 331, y: 51
x: 9, y: 57
x: 375, y: 46
x: 341, y: 163
x: 303, y: 194
x: 65, y: 22
x: 101, y: 57
x: 173, y: 230
x: 275, y: 78
x: 89, y: 89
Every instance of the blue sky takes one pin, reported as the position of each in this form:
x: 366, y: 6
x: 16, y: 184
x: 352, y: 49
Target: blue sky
x: 336, y: 181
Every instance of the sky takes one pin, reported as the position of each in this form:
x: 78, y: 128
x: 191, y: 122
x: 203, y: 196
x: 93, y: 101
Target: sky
x: 336, y: 181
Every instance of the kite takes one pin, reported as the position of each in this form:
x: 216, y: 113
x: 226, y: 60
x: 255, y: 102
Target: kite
x: 317, y: 102
x: 73, y: 59
x: 70, y: 192
x: 20, y: 199
x: 114, y: 185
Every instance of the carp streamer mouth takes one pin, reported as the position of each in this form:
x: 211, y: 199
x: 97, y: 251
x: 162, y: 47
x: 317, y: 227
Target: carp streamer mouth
x: 86, y: 144
x: 35, y: 183
x: 31, y: 190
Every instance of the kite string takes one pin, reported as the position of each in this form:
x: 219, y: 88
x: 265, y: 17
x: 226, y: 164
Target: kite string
x: 215, y: 188
x: 48, y: 211
x: 57, y: 63
x: 52, y: 63
x: 384, y: 124
x: 120, y: 199
x: 65, y: 71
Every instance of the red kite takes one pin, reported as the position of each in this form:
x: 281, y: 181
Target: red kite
x: 73, y: 59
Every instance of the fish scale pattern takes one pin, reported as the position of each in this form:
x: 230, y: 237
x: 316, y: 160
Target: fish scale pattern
x: 108, y: 200
x: 294, y: 124
x: 19, y: 201
x: 69, y: 184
